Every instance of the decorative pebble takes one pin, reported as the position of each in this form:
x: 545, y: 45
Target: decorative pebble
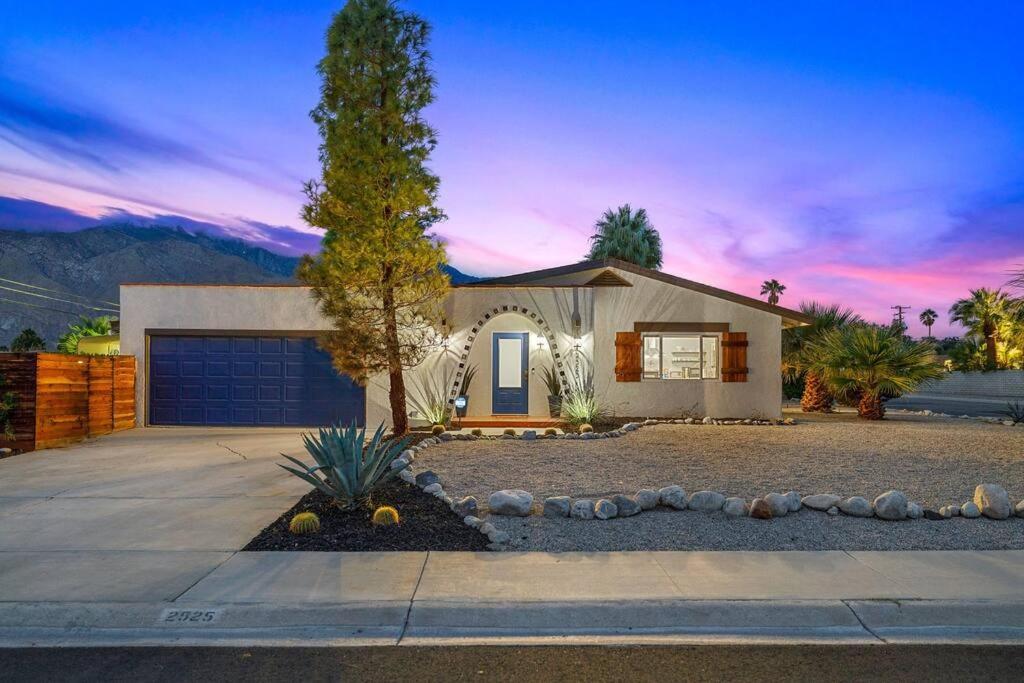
x: 515, y: 502
x: 647, y: 499
x: 970, y: 510
x: 557, y: 506
x: 582, y: 509
x: 706, y: 501
x: 673, y: 497
x: 605, y: 509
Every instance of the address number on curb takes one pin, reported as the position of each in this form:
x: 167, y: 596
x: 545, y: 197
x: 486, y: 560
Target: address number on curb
x: 189, y: 617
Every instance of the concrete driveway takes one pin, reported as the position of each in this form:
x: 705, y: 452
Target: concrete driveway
x: 137, y: 516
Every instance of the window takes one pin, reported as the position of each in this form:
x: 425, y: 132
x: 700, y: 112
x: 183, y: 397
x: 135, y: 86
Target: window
x: 674, y: 356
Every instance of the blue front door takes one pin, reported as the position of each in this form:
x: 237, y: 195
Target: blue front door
x: 510, y: 378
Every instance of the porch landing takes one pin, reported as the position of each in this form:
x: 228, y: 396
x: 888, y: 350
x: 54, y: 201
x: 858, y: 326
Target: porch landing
x: 524, y: 421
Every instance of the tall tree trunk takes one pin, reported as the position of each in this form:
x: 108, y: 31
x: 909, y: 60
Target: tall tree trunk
x: 990, y: 349
x: 396, y: 391
x: 817, y: 398
x: 871, y: 407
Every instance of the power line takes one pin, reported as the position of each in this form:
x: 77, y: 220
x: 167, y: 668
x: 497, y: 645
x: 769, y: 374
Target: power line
x: 57, y: 291
x: 63, y: 301
x: 45, y: 308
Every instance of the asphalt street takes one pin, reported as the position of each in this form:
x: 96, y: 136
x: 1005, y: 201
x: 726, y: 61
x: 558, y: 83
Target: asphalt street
x: 538, y: 663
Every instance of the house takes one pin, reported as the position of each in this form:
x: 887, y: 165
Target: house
x: 654, y: 344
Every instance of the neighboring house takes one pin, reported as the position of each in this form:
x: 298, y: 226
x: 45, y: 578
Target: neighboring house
x: 657, y: 345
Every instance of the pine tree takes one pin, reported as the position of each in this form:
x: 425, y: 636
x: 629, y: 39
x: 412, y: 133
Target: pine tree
x: 378, y: 276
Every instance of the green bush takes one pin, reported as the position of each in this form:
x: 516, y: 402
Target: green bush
x: 347, y: 468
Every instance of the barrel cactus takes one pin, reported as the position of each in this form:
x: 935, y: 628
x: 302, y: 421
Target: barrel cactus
x: 304, y: 523
x: 385, y: 515
x: 437, y: 429
x: 477, y: 432
x: 509, y: 432
x: 550, y: 431
x: 584, y: 428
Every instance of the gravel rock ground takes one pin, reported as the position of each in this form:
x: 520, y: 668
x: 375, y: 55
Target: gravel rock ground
x: 663, y: 529
x: 934, y: 461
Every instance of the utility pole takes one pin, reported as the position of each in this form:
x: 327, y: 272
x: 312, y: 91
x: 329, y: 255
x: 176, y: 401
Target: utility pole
x: 898, y: 316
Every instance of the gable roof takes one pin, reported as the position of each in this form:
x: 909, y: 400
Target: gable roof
x: 561, y: 276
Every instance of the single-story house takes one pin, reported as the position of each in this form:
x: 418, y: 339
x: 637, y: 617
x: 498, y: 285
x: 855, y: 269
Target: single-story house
x: 655, y: 345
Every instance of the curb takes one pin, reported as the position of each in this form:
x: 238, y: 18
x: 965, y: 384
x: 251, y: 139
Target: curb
x: 444, y: 623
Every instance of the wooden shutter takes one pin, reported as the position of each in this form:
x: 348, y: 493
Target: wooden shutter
x: 628, y: 367
x: 734, y: 357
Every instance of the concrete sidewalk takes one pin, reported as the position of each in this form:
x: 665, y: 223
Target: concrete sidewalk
x: 470, y: 598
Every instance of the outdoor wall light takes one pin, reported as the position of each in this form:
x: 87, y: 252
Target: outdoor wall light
x: 577, y: 324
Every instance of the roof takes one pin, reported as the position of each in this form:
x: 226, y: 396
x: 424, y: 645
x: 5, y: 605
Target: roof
x: 561, y: 277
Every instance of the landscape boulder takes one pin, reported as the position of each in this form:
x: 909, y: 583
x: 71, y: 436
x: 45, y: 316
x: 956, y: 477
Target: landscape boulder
x: 1019, y: 509
x: 465, y: 506
x: 529, y: 435
x: 778, y: 503
x: 857, y: 506
x: 914, y: 511
x: 605, y: 509
x: 735, y: 507
x: 760, y: 509
x: 582, y: 509
x: 948, y: 511
x: 673, y: 497
x: 647, y: 499
x: 891, y: 505
x: 426, y: 479
x: 794, y: 501
x: 706, y: 501
x: 472, y: 522
x: 992, y: 500
x: 514, y: 502
x: 433, y: 488
x: 970, y: 510
x: 821, y: 501
x: 557, y: 506
x: 933, y: 515
x: 626, y: 506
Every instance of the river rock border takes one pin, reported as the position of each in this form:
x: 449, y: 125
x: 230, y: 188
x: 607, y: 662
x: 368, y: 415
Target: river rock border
x: 990, y: 500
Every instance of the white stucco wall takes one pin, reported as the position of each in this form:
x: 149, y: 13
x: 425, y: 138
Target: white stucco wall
x: 648, y: 300
x: 214, y: 308
x: 474, y: 314
x: 544, y: 312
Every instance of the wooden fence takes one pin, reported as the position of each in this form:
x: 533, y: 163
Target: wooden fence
x: 61, y: 399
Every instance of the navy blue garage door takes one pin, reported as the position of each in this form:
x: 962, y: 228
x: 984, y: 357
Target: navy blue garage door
x: 270, y: 381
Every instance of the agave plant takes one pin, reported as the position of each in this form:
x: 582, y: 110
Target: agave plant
x: 429, y: 397
x: 580, y: 404
x: 347, y: 468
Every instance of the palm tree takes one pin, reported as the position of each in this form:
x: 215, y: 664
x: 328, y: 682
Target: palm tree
x: 774, y: 289
x: 796, y: 358
x: 982, y: 314
x: 872, y: 362
x: 85, y: 327
x: 28, y: 340
x: 626, y: 235
x: 928, y: 318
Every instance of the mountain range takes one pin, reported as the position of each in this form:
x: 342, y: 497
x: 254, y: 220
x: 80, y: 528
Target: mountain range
x: 65, y: 272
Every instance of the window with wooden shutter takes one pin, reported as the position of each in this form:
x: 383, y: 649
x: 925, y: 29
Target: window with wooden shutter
x: 734, y: 357
x: 628, y: 357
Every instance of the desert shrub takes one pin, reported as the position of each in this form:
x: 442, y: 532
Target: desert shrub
x: 347, y: 468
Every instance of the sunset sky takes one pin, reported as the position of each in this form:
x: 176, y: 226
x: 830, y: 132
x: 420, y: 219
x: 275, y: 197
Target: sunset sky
x: 860, y: 155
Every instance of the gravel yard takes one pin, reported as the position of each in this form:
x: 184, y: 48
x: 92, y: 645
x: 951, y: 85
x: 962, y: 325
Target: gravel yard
x: 935, y: 461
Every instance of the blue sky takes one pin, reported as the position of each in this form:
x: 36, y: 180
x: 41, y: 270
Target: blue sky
x: 858, y: 152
